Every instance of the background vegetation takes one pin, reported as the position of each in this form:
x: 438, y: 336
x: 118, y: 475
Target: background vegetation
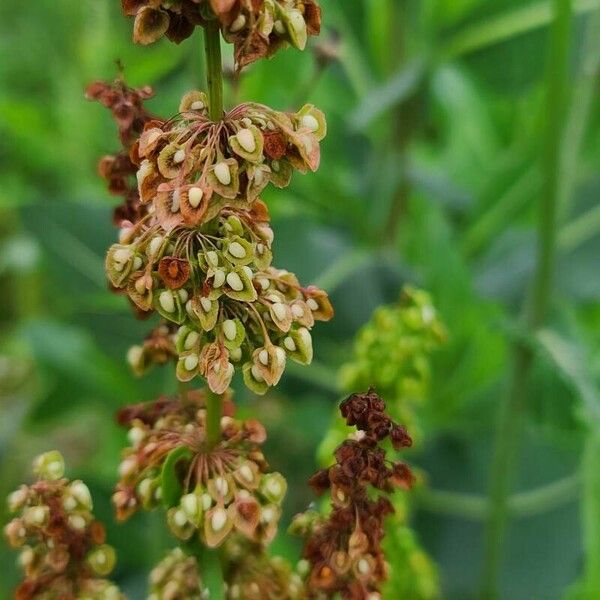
x: 447, y: 131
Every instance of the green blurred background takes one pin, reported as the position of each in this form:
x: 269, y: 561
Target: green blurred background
x: 430, y: 175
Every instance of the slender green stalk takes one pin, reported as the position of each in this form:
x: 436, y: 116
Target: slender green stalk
x: 214, y: 74
x: 209, y: 560
x: 536, y: 305
x: 214, y: 412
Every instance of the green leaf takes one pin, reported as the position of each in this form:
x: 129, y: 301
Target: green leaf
x: 397, y: 89
x: 171, y: 486
x: 571, y: 362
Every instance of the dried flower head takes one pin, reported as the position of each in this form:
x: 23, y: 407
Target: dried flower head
x: 63, y: 550
x: 257, y: 28
x: 127, y: 107
x: 213, y: 490
x: 344, y: 549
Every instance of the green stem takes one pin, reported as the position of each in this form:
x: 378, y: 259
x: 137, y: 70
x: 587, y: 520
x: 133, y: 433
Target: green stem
x: 536, y: 305
x: 524, y: 504
x: 214, y: 74
x: 214, y: 412
x: 211, y: 569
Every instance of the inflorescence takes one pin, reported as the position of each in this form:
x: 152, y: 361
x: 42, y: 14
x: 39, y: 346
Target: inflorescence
x: 220, y: 489
x: 63, y: 550
x: 256, y: 28
x: 344, y: 549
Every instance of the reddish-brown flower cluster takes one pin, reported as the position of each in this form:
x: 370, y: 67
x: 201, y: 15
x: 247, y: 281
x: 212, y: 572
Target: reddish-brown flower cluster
x: 222, y: 489
x: 126, y: 106
x: 257, y: 28
x: 344, y: 549
x: 62, y: 546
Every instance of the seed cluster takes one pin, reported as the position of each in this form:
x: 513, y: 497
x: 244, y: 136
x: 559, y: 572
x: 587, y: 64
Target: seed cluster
x: 190, y: 167
x: 176, y: 576
x: 254, y: 575
x: 217, y: 285
x: 257, y: 28
x: 344, y: 549
x: 225, y: 488
x: 63, y: 553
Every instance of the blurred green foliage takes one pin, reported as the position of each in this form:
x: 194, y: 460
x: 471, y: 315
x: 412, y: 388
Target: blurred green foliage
x: 430, y: 175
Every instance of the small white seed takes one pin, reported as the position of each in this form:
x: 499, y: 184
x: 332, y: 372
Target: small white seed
x: 212, y: 258
x: 190, y: 504
x: 197, y: 105
x: 219, y: 278
x: 237, y: 250
x: 195, y: 196
x: 221, y: 486
x: 274, y: 487
x: 235, y: 282
x: 246, y: 473
x: 77, y: 522
x: 175, y: 201
x: 279, y: 311
x: 206, y: 501
x: 248, y: 271
x: 264, y: 283
x: 363, y: 566
x: 238, y: 23
x: 309, y: 122
x: 122, y: 255
x: 180, y: 518
x: 206, y: 303
x: 235, y: 354
x: 183, y: 295
x: 137, y: 263
x: 154, y: 245
x: 229, y: 329
x: 297, y: 311
x: 167, y: 302
x: 246, y: 140
x: 190, y: 362
x: 263, y: 356
x: 191, y: 340
x: 179, y: 156
x: 279, y: 27
x: 267, y: 515
x: 218, y: 520
x: 289, y: 343
x: 312, y: 304
x: 280, y: 353
x: 134, y: 355
x: 257, y: 374
x: 222, y: 173
x: 140, y: 286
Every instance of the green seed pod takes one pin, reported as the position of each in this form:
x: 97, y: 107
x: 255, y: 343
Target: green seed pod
x: 49, y: 466
x: 234, y: 333
x: 273, y: 487
x: 102, y: 560
x: 238, y: 285
x: 248, y: 143
x: 238, y: 251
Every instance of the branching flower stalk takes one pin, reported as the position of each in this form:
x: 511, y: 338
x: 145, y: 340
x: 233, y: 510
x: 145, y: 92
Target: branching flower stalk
x: 195, y: 252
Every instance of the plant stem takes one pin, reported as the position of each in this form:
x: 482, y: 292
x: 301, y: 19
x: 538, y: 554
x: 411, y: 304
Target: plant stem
x: 214, y: 75
x: 209, y: 560
x: 214, y: 412
x: 536, y: 305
